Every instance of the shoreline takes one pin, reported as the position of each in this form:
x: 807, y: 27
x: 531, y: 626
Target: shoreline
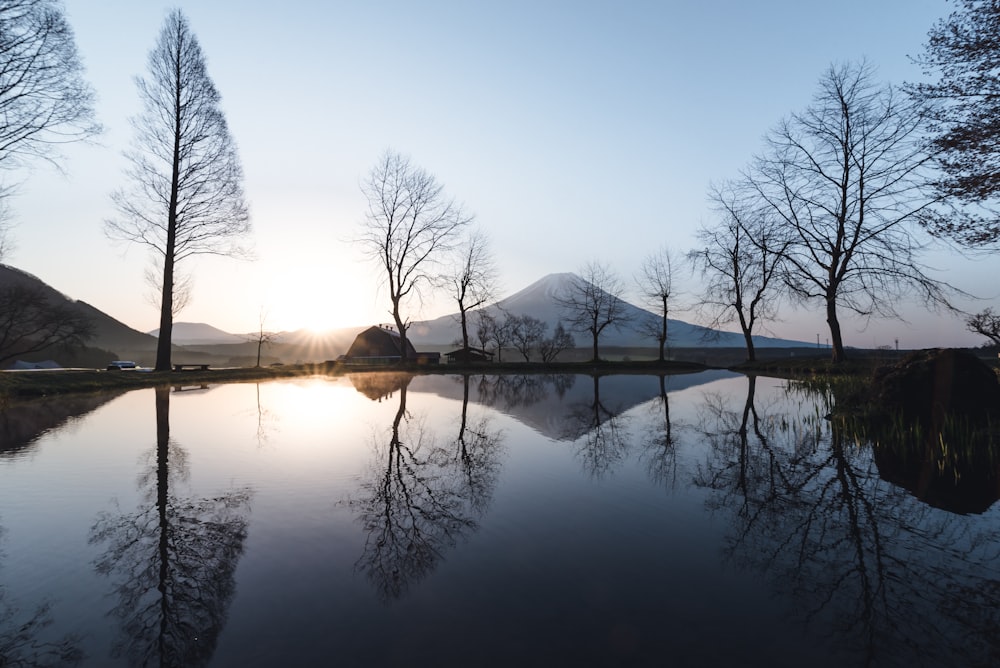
x: 30, y: 384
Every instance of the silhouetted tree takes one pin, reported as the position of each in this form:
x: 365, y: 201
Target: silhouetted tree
x: 963, y: 50
x: 495, y: 330
x: 472, y: 278
x: 848, y: 179
x: 262, y: 337
x: 30, y: 322
x: 175, y: 559
x: 739, y: 260
x: 44, y: 101
x: 526, y: 334
x: 550, y: 347
x: 657, y: 283
x: 186, y: 196
x: 593, y: 302
x: 987, y: 323
x: 408, y: 227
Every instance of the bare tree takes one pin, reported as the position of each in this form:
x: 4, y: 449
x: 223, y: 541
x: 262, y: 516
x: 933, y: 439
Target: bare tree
x: 848, y: 179
x: 495, y: 331
x: 472, y: 278
x: 592, y: 302
x: 409, y: 224
x: 44, y: 100
x: 186, y: 196
x: 657, y: 282
x: 527, y: 333
x: 739, y: 260
x: 262, y: 337
x: 963, y: 50
x: 550, y: 347
x: 987, y: 323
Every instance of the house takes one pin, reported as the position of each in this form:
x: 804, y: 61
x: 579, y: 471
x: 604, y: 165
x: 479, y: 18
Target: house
x: 469, y: 354
x: 380, y: 345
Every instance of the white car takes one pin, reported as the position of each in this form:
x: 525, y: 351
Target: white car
x: 120, y: 365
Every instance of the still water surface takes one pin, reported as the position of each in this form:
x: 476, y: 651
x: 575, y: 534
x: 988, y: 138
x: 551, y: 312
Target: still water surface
x: 384, y: 520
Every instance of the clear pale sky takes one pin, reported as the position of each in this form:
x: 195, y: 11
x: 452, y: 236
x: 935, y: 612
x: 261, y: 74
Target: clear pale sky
x: 574, y: 130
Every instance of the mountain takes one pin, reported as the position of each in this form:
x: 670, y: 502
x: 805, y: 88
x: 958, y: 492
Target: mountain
x: 109, y: 334
x: 539, y: 300
x: 199, y: 333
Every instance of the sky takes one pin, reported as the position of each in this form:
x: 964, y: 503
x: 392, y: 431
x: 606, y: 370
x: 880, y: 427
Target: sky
x: 574, y: 131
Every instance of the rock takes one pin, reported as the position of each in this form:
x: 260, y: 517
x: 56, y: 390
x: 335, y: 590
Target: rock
x: 929, y: 384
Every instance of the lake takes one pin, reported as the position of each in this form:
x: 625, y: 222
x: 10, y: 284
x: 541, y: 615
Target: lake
x: 383, y: 519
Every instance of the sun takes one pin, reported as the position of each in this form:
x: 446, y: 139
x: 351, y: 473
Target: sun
x: 302, y: 299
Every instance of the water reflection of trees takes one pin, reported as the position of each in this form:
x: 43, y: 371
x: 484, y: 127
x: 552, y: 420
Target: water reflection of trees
x: 600, y: 431
x: 173, y: 560
x: 659, y: 440
x: 509, y: 391
x: 888, y: 578
x: 20, y: 644
x: 420, y: 497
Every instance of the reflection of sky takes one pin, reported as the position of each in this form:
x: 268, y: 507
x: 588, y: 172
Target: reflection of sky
x: 561, y: 559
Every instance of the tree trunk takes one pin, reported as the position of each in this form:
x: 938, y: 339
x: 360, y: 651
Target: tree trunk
x: 596, y: 357
x: 403, y: 357
x: 663, y: 329
x: 167, y: 296
x: 836, y: 339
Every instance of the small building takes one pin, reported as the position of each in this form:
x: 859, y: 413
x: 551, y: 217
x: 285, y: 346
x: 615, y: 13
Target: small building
x: 469, y: 354
x: 381, y: 345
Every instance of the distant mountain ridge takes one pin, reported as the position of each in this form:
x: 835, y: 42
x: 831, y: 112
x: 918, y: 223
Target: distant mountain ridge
x: 539, y: 300
x: 198, y: 333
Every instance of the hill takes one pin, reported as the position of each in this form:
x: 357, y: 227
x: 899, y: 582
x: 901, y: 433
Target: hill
x: 539, y: 300
x: 112, y: 338
x: 199, y: 333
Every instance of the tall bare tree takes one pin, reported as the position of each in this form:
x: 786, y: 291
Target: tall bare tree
x: 657, y: 283
x: 409, y: 225
x: 740, y: 260
x: 472, y: 278
x: 186, y: 193
x: 963, y: 51
x: 593, y: 302
x: 849, y: 178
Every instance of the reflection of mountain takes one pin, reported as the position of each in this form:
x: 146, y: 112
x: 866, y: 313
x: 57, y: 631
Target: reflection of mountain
x: 546, y: 402
x: 22, y: 422
x: 539, y: 301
